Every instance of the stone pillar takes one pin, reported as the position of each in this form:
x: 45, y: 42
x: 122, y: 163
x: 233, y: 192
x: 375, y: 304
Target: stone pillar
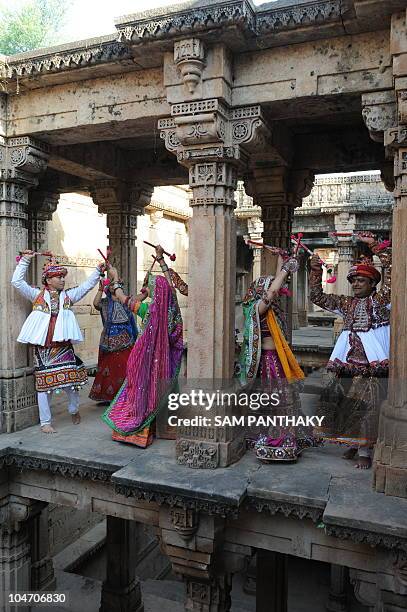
x: 194, y: 543
x: 278, y: 190
x: 344, y: 222
x: 256, y: 270
x: 121, y: 589
x: 21, y: 161
x: 302, y: 293
x: 294, y: 312
x: 271, y: 582
x: 122, y: 202
x: 42, y: 569
x: 390, y: 462
x: 338, y: 597
x: 212, y: 140
x: 15, y: 559
x: 41, y: 206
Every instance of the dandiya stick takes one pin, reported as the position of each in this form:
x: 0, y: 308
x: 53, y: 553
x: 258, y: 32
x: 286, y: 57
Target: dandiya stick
x: 334, y: 234
x: 261, y: 244
x: 42, y: 253
x: 298, y: 242
x: 173, y: 257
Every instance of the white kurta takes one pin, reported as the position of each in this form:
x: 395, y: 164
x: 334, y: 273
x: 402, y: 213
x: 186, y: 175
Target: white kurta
x: 376, y: 343
x: 35, y: 328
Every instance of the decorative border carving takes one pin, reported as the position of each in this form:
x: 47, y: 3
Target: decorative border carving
x: 64, y: 468
x: 286, y: 508
x: 68, y: 59
x: 366, y: 537
x: 287, y: 18
x: 187, y: 22
x: 211, y: 507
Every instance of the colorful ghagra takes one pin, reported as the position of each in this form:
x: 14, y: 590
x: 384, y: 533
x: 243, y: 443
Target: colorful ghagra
x: 118, y: 337
x: 152, y: 368
x: 271, y: 371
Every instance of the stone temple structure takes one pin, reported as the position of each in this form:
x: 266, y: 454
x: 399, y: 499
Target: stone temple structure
x: 205, y: 93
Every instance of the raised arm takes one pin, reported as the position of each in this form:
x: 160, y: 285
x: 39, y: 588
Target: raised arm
x: 132, y: 302
x: 284, y: 268
x: 334, y: 303
x: 384, y: 253
x: 98, y: 297
x: 178, y: 283
x: 18, y: 280
x: 77, y: 293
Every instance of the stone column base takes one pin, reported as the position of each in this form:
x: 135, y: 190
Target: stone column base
x: 390, y: 475
x: 207, y: 454
x: 18, y: 401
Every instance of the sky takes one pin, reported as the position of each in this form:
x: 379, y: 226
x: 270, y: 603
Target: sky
x: 89, y: 18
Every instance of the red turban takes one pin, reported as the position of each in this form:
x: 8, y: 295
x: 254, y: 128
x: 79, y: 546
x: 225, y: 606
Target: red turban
x: 52, y: 269
x: 366, y: 270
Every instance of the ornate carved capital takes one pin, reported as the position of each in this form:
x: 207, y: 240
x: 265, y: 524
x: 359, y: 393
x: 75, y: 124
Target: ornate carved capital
x: 189, y: 56
x: 209, y: 130
x: 42, y: 204
x: 22, y: 159
x: 113, y: 196
x: 15, y: 510
x: 279, y: 186
x: 379, y: 113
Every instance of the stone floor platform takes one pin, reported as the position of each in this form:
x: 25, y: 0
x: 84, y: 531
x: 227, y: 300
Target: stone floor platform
x: 320, y: 485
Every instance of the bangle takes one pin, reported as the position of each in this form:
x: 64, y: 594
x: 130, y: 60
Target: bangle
x: 116, y: 286
x: 290, y: 265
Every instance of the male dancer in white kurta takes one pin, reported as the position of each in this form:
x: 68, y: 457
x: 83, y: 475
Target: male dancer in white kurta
x: 361, y: 353
x: 52, y: 329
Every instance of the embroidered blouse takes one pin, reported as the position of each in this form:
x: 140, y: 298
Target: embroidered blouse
x: 359, y: 314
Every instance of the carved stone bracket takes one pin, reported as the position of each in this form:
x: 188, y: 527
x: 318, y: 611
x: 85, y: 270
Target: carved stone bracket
x: 16, y: 510
x: 21, y: 161
x: 189, y: 56
x: 379, y: 113
x: 112, y: 195
x: 185, y: 521
x: 208, y: 129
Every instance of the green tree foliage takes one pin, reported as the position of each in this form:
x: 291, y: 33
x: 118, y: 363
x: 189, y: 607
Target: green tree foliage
x: 30, y: 24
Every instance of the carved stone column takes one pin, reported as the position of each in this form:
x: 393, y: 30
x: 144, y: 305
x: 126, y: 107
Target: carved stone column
x: 277, y: 190
x: 121, y: 589
x: 390, y: 463
x: 122, y: 202
x: 338, y: 598
x: 302, y: 293
x: 42, y: 569
x: 212, y: 140
x: 271, y: 582
x: 344, y: 222
x: 194, y: 543
x: 294, y: 312
x: 21, y: 161
x: 15, y: 559
x: 41, y: 206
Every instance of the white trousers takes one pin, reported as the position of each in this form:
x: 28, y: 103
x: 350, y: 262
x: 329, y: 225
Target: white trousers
x: 44, y: 404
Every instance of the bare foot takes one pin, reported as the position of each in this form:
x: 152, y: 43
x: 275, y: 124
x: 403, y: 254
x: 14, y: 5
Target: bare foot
x: 364, y: 463
x: 48, y: 429
x: 350, y: 453
x: 76, y: 418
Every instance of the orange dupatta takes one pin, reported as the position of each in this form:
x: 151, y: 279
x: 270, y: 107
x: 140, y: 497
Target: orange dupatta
x: 288, y: 361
